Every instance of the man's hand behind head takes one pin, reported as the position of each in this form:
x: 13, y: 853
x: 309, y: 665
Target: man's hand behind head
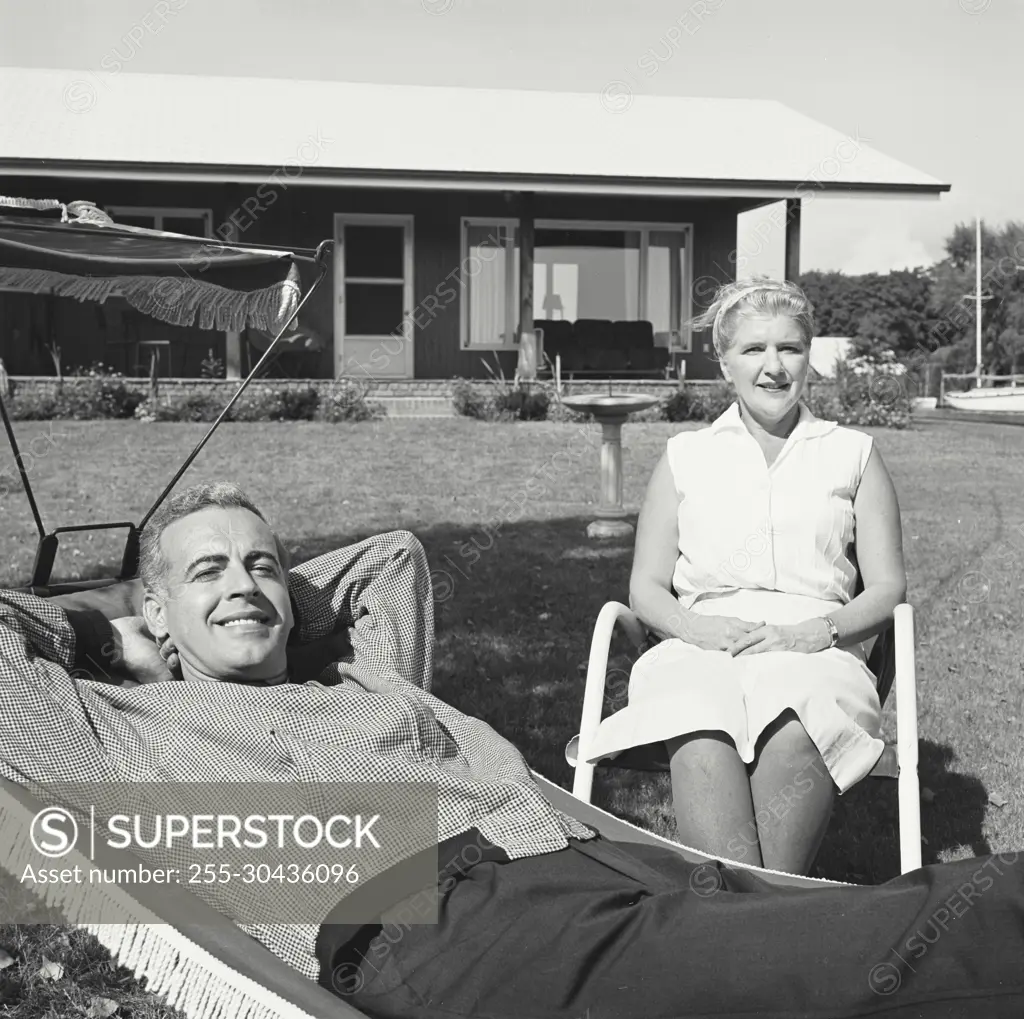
x: 137, y: 656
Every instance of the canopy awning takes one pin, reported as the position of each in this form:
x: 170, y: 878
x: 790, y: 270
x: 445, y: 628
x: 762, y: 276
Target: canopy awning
x: 178, y: 279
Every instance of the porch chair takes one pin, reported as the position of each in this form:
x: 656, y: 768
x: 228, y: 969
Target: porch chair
x: 891, y: 659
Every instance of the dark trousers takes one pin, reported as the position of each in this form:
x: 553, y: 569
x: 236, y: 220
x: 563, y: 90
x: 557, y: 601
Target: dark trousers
x: 605, y: 931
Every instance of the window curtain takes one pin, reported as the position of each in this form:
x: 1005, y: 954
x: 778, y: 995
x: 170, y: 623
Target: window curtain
x: 486, y: 270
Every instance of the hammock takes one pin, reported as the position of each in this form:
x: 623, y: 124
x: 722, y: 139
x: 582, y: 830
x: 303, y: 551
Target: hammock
x: 204, y: 965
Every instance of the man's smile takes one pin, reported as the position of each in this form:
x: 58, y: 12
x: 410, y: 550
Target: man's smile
x: 248, y: 620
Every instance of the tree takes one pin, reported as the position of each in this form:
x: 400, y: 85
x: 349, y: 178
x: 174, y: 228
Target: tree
x: 836, y: 299
x: 891, y: 311
x: 1002, y: 282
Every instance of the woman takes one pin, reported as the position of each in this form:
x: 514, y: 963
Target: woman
x: 747, y: 553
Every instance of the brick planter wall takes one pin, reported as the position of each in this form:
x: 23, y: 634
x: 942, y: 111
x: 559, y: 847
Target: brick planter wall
x: 389, y: 388
x: 221, y: 387
x: 374, y: 387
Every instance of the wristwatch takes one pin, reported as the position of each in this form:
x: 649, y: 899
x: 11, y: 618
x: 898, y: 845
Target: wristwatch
x: 833, y: 632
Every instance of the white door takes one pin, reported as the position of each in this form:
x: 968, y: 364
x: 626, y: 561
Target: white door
x: 373, y: 325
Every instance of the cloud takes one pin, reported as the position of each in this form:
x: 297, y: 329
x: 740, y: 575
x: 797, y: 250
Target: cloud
x: 881, y: 250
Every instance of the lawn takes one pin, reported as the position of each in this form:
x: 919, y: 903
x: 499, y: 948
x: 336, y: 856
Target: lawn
x: 502, y: 511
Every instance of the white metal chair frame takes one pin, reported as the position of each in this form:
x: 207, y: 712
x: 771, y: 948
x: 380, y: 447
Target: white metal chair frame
x: 901, y: 765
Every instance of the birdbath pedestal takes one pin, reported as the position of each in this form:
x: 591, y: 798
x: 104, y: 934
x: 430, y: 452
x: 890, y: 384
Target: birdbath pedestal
x: 610, y: 412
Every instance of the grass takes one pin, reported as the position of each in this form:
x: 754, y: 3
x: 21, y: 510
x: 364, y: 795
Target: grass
x: 502, y: 511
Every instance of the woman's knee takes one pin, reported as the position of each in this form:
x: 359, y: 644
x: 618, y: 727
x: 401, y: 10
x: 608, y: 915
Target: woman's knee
x: 786, y: 742
x: 786, y: 734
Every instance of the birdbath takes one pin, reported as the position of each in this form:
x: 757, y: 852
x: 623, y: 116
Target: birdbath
x: 610, y: 412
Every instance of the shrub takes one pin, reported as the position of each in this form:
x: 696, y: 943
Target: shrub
x: 256, y: 405
x: 864, y: 395
x: 97, y: 398
x: 276, y: 405
x: 522, y: 404
x: 557, y: 411
x: 502, y: 400
x: 102, y: 393
x: 33, y: 406
x: 681, y: 406
x: 715, y: 400
x: 299, y: 404
x: 471, y: 402
x: 346, y: 401
x: 182, y: 407
x: 655, y: 413
x: 699, y: 403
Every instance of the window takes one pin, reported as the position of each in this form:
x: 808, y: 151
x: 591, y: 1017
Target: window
x: 608, y: 272
x: 194, y: 222
x: 586, y: 273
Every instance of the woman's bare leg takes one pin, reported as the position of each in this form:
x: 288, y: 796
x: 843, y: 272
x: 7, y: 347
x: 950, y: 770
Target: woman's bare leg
x: 711, y: 795
x: 792, y: 792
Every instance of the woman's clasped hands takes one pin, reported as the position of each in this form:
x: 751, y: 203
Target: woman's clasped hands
x: 744, y: 637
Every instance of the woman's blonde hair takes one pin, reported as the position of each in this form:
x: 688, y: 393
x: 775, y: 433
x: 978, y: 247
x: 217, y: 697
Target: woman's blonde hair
x: 759, y: 295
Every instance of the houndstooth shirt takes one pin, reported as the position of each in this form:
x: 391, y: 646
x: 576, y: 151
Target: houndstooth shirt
x: 369, y: 717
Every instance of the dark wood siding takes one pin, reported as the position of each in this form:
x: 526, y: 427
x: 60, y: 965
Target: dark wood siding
x: 286, y: 213
x: 89, y: 333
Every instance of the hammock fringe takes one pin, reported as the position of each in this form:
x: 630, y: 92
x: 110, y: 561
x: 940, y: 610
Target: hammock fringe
x: 179, y: 301
x: 183, y: 973
x: 187, y: 977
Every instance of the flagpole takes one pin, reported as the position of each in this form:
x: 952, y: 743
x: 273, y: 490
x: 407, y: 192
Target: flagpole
x: 977, y: 304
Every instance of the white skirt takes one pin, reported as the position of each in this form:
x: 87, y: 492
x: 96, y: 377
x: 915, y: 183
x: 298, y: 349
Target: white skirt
x: 677, y: 688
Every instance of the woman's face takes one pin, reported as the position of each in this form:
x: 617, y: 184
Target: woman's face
x: 767, y: 363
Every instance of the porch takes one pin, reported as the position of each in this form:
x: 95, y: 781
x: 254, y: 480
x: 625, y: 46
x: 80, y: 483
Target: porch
x: 425, y: 285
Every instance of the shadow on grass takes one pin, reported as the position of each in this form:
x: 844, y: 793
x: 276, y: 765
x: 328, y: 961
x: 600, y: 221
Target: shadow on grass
x: 862, y: 843
x: 515, y: 614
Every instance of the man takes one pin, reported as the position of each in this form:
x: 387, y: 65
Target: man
x: 544, y: 918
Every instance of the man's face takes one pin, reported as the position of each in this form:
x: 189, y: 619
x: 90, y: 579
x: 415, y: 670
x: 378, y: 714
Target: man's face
x: 225, y: 600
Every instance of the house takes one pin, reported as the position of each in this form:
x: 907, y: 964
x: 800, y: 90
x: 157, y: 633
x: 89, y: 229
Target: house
x: 463, y: 219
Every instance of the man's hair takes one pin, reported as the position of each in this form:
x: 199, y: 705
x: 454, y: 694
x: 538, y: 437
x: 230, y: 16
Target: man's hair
x: 760, y: 296
x: 219, y: 495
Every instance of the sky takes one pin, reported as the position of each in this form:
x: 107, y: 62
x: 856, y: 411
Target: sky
x: 933, y: 83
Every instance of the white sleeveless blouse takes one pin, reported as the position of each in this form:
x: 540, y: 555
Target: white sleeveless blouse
x: 786, y: 528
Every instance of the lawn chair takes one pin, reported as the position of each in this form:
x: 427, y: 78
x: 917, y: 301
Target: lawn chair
x: 891, y: 659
